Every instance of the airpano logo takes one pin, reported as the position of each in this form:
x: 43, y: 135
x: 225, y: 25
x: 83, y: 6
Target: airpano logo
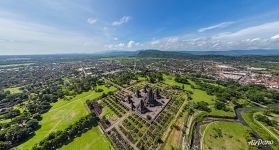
x: 260, y: 142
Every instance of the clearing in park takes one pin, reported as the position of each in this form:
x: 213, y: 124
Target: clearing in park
x: 62, y: 114
x: 222, y: 135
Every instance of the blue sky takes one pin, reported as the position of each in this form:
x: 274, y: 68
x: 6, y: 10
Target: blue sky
x: 88, y: 26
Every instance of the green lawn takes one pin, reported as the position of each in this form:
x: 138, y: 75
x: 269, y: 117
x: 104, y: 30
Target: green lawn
x: 248, y: 116
x: 271, y: 130
x: 62, y: 114
x: 13, y: 90
x: 232, y: 136
x: 93, y: 139
x: 216, y: 112
x: 198, y: 95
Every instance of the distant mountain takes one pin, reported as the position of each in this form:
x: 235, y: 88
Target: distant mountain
x: 236, y: 52
x: 118, y: 53
x: 158, y: 53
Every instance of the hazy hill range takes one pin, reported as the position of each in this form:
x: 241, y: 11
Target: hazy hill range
x: 158, y: 53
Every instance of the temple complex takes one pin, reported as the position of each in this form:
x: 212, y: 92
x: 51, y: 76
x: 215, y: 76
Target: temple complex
x: 146, y: 102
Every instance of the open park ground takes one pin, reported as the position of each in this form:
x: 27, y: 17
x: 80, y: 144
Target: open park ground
x: 62, y: 114
x: 222, y: 135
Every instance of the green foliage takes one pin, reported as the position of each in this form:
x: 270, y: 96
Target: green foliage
x: 202, y: 105
x: 266, y: 120
x: 154, y: 76
x: 124, y: 78
x: 220, y: 105
x: 56, y: 139
x: 83, y: 84
x: 181, y: 79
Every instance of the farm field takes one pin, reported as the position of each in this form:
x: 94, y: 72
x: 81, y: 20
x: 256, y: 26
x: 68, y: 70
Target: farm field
x: 62, y: 114
x: 225, y: 135
x: 93, y: 139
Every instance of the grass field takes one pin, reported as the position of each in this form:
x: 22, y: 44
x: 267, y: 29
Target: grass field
x: 62, y: 114
x: 92, y: 139
x: 198, y: 95
x: 249, y: 118
x: 216, y: 112
x: 271, y: 130
x: 13, y: 90
x: 225, y: 135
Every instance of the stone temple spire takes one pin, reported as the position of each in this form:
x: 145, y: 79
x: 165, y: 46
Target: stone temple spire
x: 151, y: 99
x: 142, y: 107
x: 138, y: 93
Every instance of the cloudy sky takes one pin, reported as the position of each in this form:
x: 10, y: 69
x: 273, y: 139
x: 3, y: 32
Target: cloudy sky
x: 88, y: 26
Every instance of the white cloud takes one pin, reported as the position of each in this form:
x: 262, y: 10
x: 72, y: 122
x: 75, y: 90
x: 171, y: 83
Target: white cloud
x: 19, y: 36
x: 129, y: 45
x: 115, y: 39
x: 275, y: 38
x: 121, y: 45
x: 156, y: 42
x: 91, y: 20
x: 121, y: 21
x: 253, y: 37
x: 217, y: 26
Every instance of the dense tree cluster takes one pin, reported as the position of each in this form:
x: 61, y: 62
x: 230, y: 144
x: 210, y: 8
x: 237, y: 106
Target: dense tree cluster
x: 230, y: 90
x: 57, y: 139
x: 16, y: 131
x: 204, y: 106
x: 221, y: 106
x: 152, y: 76
x: 79, y: 85
x: 182, y: 79
x: 124, y: 78
x: 7, y: 96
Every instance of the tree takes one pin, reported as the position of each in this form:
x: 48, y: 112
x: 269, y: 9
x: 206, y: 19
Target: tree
x: 220, y: 105
x: 4, y: 145
x: 33, y: 124
x: 204, y: 106
x: 181, y: 79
